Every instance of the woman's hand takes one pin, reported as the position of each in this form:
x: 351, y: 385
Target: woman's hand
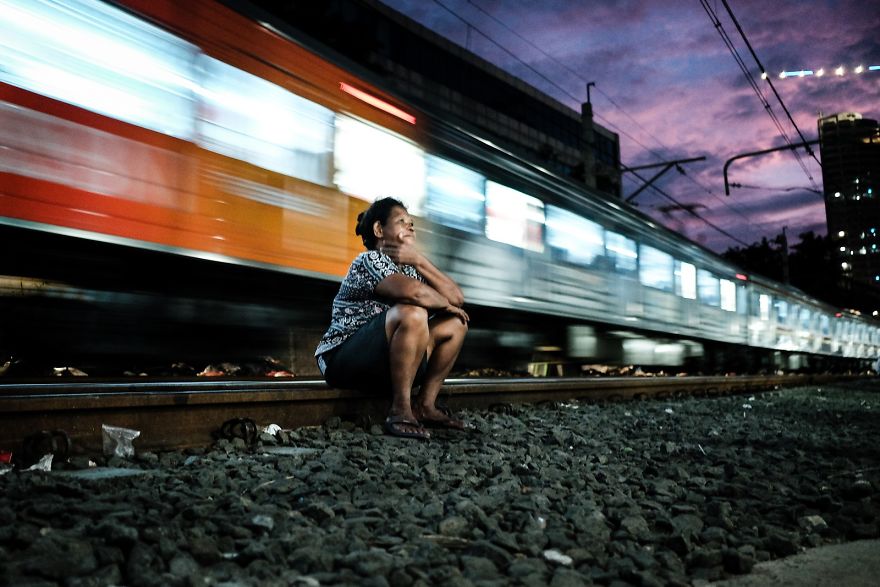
x: 402, y: 252
x: 458, y: 313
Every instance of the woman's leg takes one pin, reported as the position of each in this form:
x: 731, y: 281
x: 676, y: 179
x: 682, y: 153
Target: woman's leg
x: 446, y: 335
x: 406, y: 328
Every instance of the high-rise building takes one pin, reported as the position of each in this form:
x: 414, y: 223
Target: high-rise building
x: 457, y: 85
x: 850, y: 147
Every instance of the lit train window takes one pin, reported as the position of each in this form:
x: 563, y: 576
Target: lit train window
x: 655, y: 268
x: 686, y: 280
x: 251, y: 119
x: 764, y: 306
x: 514, y: 218
x: 708, y: 288
x: 781, y: 310
x: 728, y: 295
x: 373, y: 163
x: 824, y: 325
x: 576, y: 239
x: 455, y: 195
x: 621, y: 251
x: 100, y: 58
x: 805, y: 318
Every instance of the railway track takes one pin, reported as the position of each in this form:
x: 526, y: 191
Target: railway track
x: 183, y: 413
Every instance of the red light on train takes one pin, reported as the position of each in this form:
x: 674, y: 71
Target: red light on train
x: 376, y: 102
x: 742, y: 277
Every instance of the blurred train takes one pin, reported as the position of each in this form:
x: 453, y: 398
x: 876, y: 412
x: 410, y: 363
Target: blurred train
x: 177, y: 177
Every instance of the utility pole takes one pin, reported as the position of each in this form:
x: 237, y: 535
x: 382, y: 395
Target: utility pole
x: 785, y: 276
x: 587, y: 132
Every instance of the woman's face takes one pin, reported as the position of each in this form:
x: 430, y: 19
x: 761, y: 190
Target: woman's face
x: 399, y: 227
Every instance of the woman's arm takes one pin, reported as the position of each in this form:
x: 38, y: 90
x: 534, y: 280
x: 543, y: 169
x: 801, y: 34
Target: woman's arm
x: 400, y: 288
x: 406, y: 253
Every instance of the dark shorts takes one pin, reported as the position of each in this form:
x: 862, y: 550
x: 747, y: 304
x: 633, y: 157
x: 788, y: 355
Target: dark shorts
x: 363, y: 361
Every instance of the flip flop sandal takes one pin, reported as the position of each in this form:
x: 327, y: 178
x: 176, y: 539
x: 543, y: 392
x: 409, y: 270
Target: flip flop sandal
x: 243, y: 428
x: 393, y: 426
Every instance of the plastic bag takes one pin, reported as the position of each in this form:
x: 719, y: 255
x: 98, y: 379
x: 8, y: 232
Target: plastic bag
x: 118, y: 441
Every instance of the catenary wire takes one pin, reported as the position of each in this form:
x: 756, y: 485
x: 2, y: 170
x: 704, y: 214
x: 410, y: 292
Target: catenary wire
x: 569, y: 94
x: 713, y: 16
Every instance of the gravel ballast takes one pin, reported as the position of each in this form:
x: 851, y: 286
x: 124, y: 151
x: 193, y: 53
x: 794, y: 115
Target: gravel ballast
x: 656, y: 492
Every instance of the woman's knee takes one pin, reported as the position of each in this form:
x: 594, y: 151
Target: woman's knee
x: 407, y: 315
x: 448, y: 327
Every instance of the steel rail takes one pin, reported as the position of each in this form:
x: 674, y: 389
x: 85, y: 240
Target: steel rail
x: 184, y: 412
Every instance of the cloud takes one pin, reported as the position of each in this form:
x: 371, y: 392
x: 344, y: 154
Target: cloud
x: 669, y: 85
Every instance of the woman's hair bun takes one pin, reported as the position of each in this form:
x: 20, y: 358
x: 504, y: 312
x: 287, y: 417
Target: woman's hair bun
x: 357, y: 228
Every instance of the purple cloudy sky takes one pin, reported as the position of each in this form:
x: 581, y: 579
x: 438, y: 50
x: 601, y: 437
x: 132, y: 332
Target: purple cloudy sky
x: 669, y: 86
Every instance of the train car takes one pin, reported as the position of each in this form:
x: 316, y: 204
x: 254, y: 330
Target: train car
x: 212, y: 149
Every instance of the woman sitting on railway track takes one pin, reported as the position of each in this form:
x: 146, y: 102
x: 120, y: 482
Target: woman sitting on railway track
x: 396, y: 322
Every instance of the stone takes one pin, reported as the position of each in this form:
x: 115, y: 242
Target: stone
x: 58, y: 555
x: 636, y: 527
x: 738, y: 562
x: 478, y: 568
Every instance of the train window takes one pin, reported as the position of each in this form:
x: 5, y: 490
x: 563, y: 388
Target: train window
x: 455, y: 195
x: 805, y: 319
x: 764, y: 306
x: 781, y: 310
x: 825, y: 325
x: 686, y: 280
x: 100, y: 58
x: 621, y: 251
x: 373, y: 163
x: 576, y: 239
x: 708, y: 288
x: 728, y: 295
x: 251, y: 119
x: 514, y: 218
x: 655, y: 268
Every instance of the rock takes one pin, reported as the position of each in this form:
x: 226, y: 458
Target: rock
x: 454, y: 526
x: 116, y: 533
x: 478, y: 568
x: 738, y: 562
x: 860, y: 488
x: 687, y: 525
x: 368, y: 563
x: 636, y: 527
x: 813, y: 523
x: 500, y: 557
x: 57, y: 555
x: 143, y: 565
x: 781, y: 544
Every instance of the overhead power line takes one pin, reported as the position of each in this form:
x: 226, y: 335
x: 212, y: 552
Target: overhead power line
x: 716, y: 22
x: 769, y: 81
x: 604, y: 120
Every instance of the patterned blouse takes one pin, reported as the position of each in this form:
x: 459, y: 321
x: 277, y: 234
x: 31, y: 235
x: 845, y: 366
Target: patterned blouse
x: 357, y: 301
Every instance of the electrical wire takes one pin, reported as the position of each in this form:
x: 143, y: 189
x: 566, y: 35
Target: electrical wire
x: 716, y: 22
x: 770, y: 82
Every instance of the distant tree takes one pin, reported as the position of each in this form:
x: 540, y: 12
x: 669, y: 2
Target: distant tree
x: 764, y: 258
x: 813, y: 265
x: 815, y: 268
